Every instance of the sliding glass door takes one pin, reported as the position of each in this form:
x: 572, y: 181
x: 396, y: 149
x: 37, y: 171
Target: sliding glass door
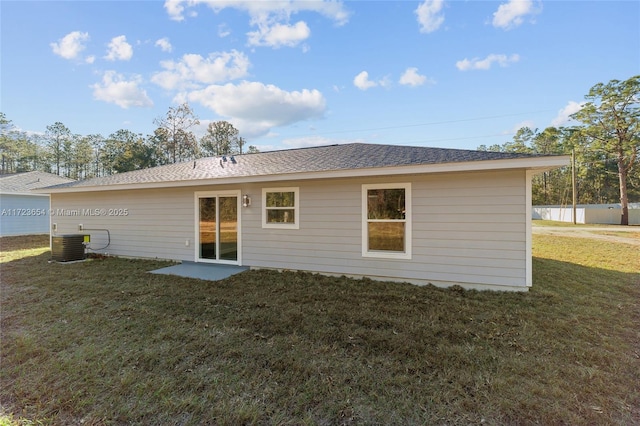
x: 218, y: 227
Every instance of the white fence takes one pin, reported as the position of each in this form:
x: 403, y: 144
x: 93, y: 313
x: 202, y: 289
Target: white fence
x: 588, y: 213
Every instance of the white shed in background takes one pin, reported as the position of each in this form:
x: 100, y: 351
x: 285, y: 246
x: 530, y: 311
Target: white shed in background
x: 23, y: 212
x: 588, y: 213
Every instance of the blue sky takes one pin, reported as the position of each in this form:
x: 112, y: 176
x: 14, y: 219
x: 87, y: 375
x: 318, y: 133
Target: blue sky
x: 287, y: 74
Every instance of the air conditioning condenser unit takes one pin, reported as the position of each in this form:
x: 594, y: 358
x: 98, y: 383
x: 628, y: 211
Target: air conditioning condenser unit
x: 68, y: 248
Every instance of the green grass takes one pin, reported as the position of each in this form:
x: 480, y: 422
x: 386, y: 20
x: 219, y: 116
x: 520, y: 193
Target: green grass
x: 104, y: 342
x: 558, y: 224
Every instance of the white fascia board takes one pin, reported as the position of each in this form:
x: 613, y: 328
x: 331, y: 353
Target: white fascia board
x: 25, y: 194
x: 536, y: 164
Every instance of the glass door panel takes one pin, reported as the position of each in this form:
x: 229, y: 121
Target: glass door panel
x: 228, y: 229
x: 208, y: 228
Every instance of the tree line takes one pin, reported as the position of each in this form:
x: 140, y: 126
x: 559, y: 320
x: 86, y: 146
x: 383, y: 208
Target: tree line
x: 605, y: 144
x: 64, y: 153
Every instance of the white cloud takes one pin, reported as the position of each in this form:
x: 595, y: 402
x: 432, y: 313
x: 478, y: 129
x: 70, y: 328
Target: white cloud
x: 70, y: 46
x: 193, y: 70
x: 175, y: 9
x: 164, y: 44
x: 527, y: 123
x: 486, y: 63
x: 563, y: 116
x: 411, y: 78
x: 90, y: 59
x: 270, y: 17
x: 255, y: 108
x: 278, y: 35
x: 223, y: 30
x: 124, y: 93
x: 119, y: 49
x: 511, y: 14
x: 362, y: 82
x: 261, y: 10
x: 430, y: 16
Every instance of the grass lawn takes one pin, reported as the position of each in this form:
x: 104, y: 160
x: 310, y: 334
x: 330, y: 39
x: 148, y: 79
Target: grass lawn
x: 596, y: 227
x: 105, y: 342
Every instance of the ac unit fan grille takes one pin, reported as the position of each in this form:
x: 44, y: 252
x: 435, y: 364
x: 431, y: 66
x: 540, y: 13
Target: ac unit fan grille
x: 67, y: 248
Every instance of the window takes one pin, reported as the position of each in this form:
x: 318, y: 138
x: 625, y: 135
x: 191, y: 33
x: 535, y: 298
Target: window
x: 281, y: 209
x: 386, y: 224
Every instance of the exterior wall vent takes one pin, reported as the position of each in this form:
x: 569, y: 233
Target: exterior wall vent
x: 67, y: 248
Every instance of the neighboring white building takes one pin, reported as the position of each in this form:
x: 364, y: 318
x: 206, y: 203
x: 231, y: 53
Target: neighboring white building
x: 588, y: 213
x: 409, y: 214
x: 23, y: 212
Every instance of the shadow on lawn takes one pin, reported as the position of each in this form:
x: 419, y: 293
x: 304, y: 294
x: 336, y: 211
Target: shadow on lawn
x: 575, y: 280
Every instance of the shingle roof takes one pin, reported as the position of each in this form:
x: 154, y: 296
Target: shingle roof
x: 23, y: 183
x: 304, y: 160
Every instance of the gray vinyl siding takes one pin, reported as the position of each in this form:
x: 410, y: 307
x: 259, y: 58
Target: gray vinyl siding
x: 24, y: 214
x: 468, y: 228
x: 158, y: 223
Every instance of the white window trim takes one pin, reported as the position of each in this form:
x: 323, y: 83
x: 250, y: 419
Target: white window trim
x: 296, y: 208
x: 407, y: 221
x: 196, y: 222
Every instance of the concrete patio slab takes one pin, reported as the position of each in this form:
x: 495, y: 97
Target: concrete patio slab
x: 202, y: 271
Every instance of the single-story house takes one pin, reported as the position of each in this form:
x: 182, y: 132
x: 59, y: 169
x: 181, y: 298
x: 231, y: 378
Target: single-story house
x: 22, y: 211
x: 410, y: 214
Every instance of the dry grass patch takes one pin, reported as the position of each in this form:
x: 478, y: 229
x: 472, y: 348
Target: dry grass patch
x: 559, y: 224
x: 12, y: 248
x: 104, y: 342
x: 633, y: 235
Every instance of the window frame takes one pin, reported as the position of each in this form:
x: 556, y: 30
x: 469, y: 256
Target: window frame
x: 385, y: 254
x: 296, y: 208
